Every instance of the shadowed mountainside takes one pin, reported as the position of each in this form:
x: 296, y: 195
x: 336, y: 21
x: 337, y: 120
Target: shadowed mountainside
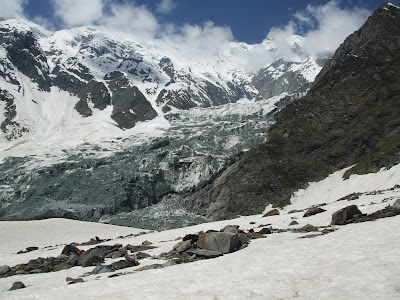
x: 351, y: 116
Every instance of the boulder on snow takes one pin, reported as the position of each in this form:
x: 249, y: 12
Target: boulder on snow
x: 396, y: 204
x: 313, y: 211
x: 224, y: 242
x: 4, y: 269
x: 344, y: 215
x: 17, y: 285
x: 293, y: 223
x: 273, y: 212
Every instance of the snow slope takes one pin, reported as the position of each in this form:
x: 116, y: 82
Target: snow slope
x: 357, y: 261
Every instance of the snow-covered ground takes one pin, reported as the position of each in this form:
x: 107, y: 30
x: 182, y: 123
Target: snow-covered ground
x: 357, y: 261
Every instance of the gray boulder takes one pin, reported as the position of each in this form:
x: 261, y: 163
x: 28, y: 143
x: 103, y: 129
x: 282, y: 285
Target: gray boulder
x: 224, y: 242
x: 4, y: 269
x: 344, y: 215
x: 17, y: 285
x: 396, y: 204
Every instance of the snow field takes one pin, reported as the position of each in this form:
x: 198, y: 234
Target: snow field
x: 357, y: 261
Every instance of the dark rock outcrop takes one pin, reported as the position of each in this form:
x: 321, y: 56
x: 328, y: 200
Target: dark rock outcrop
x: 349, y: 116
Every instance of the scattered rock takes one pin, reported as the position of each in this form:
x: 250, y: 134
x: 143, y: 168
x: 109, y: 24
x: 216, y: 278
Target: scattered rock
x: 313, y: 211
x: 224, y: 242
x: 192, y: 237
x: 183, y: 246
x: 169, y: 264
x: 293, y: 211
x: 123, y: 264
x: 75, y: 280
x: 205, y: 253
x: 350, y: 197
x: 252, y: 223
x: 29, y: 249
x: 308, y: 228
x: 256, y: 235
x: 293, y: 223
x: 139, y: 248
x: 344, y: 215
x: 93, y: 256
x: 69, y: 249
x: 273, y: 212
x: 17, y: 286
x: 147, y: 243
x: 99, y: 270
x: 149, y: 267
x: 265, y: 231
x: 62, y: 266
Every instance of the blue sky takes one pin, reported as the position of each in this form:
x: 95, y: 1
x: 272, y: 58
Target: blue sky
x: 249, y: 21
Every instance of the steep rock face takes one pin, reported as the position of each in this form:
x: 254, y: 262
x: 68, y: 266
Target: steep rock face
x: 350, y: 116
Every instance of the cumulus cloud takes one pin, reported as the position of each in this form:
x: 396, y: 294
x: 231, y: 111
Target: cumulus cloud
x: 130, y: 20
x: 125, y: 19
x: 323, y: 28
x: 165, y: 6
x: 12, y: 8
x: 78, y: 12
x: 202, y: 42
x: 332, y: 26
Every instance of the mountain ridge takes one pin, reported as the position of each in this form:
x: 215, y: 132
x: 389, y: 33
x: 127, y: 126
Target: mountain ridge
x: 349, y: 116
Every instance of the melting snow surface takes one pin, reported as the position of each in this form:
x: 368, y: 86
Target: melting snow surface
x: 357, y: 261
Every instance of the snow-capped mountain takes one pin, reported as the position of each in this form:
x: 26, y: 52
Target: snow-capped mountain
x: 95, y: 125
x: 122, y: 80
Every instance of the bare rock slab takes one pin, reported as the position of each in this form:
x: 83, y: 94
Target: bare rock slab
x: 223, y: 242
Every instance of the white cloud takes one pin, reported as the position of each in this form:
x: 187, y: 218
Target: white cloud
x: 78, y: 12
x: 328, y: 25
x: 166, y: 6
x: 195, y: 42
x: 131, y: 21
x: 333, y: 26
x: 12, y: 8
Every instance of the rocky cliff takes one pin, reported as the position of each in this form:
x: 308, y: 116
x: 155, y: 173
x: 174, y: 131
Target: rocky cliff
x: 351, y: 116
